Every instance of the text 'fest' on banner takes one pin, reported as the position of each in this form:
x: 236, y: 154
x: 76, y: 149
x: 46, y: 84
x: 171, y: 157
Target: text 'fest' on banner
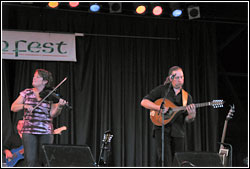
x: 38, y: 46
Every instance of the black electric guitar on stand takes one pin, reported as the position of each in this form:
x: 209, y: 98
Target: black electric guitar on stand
x: 105, y: 148
x: 223, y: 152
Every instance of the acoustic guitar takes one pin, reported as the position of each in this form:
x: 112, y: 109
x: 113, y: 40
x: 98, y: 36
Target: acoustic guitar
x: 223, y: 152
x: 174, y: 111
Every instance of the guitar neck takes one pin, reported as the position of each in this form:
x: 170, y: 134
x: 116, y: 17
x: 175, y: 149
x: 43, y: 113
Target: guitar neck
x: 229, y: 116
x: 196, y: 105
x: 224, y: 133
x: 203, y: 104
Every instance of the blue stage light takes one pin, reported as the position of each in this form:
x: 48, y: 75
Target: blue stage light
x: 94, y: 8
x: 177, y: 13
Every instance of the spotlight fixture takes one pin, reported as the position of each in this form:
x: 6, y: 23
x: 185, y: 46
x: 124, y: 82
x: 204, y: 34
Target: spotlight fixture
x: 140, y: 8
x: 115, y: 7
x: 73, y: 4
x: 177, y: 13
x: 94, y: 7
x: 176, y: 10
x: 53, y: 4
x: 193, y: 12
x: 157, y: 10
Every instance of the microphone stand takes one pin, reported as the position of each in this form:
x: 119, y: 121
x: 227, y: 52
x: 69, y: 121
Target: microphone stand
x: 162, y: 127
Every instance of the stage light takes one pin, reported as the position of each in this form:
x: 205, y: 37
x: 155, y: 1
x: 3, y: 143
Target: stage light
x: 141, y: 9
x: 94, y: 7
x: 53, y: 4
x: 115, y: 7
x: 176, y: 10
x: 157, y: 10
x: 176, y: 13
x: 194, y: 12
x: 73, y: 4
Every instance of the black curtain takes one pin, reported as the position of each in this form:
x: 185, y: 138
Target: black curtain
x: 119, y: 60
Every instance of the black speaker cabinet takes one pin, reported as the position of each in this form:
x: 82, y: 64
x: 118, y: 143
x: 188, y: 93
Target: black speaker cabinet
x: 68, y: 156
x: 197, y: 159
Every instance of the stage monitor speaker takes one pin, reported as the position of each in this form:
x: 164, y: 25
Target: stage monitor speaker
x: 68, y: 156
x: 197, y: 159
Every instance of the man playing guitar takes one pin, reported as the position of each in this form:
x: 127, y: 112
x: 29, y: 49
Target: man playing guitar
x: 173, y: 133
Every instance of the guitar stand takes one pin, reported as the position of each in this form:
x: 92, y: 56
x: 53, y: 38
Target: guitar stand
x: 103, y: 154
x: 230, y: 153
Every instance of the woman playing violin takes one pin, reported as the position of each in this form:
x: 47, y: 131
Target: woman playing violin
x: 38, y: 125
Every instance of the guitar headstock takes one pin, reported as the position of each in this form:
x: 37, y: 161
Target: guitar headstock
x: 217, y: 103
x: 107, y: 137
x: 59, y: 130
x: 231, y: 112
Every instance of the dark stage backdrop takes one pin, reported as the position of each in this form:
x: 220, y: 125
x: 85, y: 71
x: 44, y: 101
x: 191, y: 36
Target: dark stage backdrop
x: 112, y: 75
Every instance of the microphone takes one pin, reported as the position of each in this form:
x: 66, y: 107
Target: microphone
x: 171, y: 77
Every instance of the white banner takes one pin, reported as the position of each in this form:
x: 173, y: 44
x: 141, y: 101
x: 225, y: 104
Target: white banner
x: 38, y: 46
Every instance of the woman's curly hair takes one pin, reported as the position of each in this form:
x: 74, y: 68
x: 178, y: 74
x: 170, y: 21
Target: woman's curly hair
x: 46, y: 75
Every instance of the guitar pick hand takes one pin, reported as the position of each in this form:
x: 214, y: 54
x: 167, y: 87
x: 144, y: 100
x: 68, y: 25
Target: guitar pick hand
x: 8, y: 154
x: 165, y: 110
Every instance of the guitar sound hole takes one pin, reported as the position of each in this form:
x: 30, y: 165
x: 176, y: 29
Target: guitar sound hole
x: 168, y: 114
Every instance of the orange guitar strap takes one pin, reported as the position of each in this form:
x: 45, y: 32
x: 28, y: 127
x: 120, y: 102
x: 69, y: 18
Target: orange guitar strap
x: 184, y: 97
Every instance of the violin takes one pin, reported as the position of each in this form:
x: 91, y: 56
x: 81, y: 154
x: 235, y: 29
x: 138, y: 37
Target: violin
x: 51, y: 96
x: 54, y: 97
x: 50, y: 93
